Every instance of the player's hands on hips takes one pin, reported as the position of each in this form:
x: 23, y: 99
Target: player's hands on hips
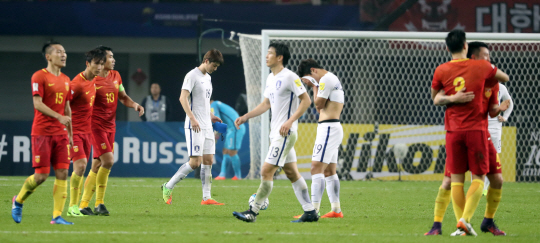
x: 463, y: 97
x: 307, y: 82
x: 140, y: 109
x: 215, y: 119
x: 504, y: 105
x: 239, y: 121
x: 195, y: 125
x: 65, y: 120
x: 284, y: 130
x: 501, y: 119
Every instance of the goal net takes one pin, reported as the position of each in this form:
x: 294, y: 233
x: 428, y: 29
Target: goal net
x: 386, y: 77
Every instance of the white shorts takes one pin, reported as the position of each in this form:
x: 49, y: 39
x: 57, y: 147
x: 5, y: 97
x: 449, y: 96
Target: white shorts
x: 200, y: 143
x: 329, y: 138
x: 497, y: 143
x: 281, y: 150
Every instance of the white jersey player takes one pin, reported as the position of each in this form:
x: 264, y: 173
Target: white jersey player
x: 495, y: 125
x: 195, y: 99
x: 329, y: 99
x: 283, y: 92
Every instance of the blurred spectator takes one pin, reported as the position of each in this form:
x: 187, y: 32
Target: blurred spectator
x: 156, y: 105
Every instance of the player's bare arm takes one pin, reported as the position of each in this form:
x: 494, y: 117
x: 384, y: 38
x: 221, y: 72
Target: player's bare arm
x: 502, y: 76
x: 261, y: 108
x: 214, y: 118
x: 38, y: 104
x: 127, y: 101
x: 67, y: 112
x: 305, y: 102
x: 185, y: 105
x: 460, y: 97
x: 310, y: 83
x: 495, y: 110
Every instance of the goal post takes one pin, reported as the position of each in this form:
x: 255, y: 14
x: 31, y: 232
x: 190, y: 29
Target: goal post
x: 386, y: 78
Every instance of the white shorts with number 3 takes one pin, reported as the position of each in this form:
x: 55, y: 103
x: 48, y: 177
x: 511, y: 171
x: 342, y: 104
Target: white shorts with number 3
x: 329, y: 138
x: 281, y: 150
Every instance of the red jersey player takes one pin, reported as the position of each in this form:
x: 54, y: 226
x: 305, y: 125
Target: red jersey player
x: 83, y: 93
x: 109, y: 90
x: 467, y: 136
x: 476, y: 51
x: 51, y: 132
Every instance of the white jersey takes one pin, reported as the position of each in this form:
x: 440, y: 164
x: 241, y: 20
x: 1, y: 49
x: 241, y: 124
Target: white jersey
x: 330, y: 88
x: 199, y: 86
x: 283, y: 90
x: 494, y: 125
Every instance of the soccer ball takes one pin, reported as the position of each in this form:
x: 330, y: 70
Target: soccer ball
x: 252, y: 202
x: 400, y: 150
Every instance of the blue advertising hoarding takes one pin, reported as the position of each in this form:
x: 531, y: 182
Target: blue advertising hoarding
x: 142, y: 149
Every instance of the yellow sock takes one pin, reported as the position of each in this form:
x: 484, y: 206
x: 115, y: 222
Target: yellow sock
x: 89, y: 189
x: 59, y: 196
x: 101, y: 184
x: 441, y: 203
x: 458, y: 199
x: 81, y: 184
x: 74, y: 188
x: 493, y: 199
x: 474, y: 194
x: 28, y: 187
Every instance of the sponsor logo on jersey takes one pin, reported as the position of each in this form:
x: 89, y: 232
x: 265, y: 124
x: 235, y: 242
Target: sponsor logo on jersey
x: 321, y: 86
x: 103, y: 146
x: 50, y: 85
x: 99, y: 87
x: 37, y: 159
x: 298, y: 83
x: 87, y: 92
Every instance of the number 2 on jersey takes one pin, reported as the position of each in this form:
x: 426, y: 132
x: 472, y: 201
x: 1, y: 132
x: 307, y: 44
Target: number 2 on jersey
x: 459, y: 83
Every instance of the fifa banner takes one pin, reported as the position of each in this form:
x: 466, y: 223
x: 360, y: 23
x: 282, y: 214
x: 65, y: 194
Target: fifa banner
x: 471, y: 16
x: 366, y: 152
x: 141, y: 149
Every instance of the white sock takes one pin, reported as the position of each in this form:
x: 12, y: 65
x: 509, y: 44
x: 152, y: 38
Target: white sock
x: 262, y: 194
x: 317, y: 189
x: 302, y: 194
x: 332, y: 189
x: 206, y: 179
x: 486, y: 183
x: 184, y: 170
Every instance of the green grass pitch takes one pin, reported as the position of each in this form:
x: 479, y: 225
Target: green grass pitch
x: 374, y: 212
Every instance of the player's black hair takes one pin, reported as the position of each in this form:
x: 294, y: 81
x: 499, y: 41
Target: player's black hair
x: 474, y: 48
x: 214, y: 56
x: 281, y: 50
x: 104, y: 48
x: 47, y: 47
x: 455, y: 40
x: 305, y: 67
x: 97, y: 55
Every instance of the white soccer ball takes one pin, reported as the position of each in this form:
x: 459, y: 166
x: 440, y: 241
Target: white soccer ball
x: 400, y: 150
x: 252, y: 202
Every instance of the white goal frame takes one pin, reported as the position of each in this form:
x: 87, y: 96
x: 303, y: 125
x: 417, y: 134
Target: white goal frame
x: 268, y: 34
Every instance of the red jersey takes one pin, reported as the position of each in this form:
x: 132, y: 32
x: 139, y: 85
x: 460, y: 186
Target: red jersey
x: 490, y: 98
x: 104, y: 114
x: 474, y: 75
x: 54, y: 91
x: 83, y: 93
